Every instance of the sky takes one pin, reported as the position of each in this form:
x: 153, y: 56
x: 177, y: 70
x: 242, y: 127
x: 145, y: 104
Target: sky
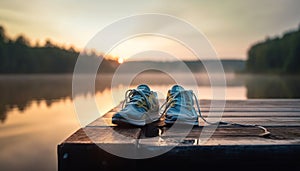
x: 231, y: 26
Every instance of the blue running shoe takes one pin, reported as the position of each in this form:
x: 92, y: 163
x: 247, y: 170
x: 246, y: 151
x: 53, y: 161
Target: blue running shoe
x: 139, y: 108
x: 179, y: 107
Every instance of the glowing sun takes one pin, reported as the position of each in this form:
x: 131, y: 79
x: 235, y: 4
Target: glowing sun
x: 120, y: 60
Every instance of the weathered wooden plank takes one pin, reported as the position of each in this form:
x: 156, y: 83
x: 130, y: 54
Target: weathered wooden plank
x: 242, y: 109
x: 240, y: 141
x: 263, y: 118
x: 108, y: 115
x: 227, y: 146
x: 225, y: 136
x: 103, y: 121
x: 253, y: 109
x: 73, y: 157
x: 256, y: 105
x: 248, y: 103
x: 105, y: 135
x: 242, y: 112
x: 227, y: 157
x: 251, y: 114
x: 264, y: 121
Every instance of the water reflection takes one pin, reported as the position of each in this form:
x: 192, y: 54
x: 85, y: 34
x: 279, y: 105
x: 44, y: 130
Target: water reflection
x: 261, y: 86
x: 28, y: 140
x: 17, y: 92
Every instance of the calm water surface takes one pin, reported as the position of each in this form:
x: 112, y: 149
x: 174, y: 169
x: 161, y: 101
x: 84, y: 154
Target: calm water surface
x: 37, y: 112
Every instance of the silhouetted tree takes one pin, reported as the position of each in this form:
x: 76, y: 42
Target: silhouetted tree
x: 18, y: 56
x: 277, y: 55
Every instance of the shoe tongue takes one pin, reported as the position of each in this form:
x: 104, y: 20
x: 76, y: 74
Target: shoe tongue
x: 143, y: 87
x: 176, y: 88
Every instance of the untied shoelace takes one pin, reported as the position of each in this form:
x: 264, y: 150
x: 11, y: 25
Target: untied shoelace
x: 172, y: 100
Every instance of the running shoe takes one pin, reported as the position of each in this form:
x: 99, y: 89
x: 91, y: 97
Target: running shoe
x: 179, y: 106
x: 140, y: 107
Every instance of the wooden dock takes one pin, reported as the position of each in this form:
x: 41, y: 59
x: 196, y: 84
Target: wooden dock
x: 229, y: 148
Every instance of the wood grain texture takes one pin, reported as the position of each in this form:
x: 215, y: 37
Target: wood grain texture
x: 277, y: 115
x: 225, y: 147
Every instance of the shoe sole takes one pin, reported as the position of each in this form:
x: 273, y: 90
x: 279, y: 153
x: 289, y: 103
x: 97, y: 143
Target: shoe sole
x: 194, y: 123
x: 121, y: 121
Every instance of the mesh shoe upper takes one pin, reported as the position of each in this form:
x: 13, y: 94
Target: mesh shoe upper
x: 139, y: 108
x: 180, y: 106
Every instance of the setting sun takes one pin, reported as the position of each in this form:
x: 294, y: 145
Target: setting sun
x: 120, y: 60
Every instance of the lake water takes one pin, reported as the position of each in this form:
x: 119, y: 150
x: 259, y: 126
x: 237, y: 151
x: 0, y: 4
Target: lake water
x: 37, y: 111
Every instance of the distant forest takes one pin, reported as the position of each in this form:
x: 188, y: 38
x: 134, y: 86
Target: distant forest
x: 18, y: 56
x: 279, y: 55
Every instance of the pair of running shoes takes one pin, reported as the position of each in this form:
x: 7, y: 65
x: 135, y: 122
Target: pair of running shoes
x: 141, y: 107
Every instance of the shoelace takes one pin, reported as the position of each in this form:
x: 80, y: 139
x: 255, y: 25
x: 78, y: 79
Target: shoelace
x: 171, y: 100
x: 132, y: 98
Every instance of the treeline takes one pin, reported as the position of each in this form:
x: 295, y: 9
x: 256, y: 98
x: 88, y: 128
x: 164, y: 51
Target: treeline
x: 18, y: 56
x: 181, y: 66
x: 277, y: 55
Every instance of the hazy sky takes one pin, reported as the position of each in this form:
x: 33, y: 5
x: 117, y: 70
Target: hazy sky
x: 232, y: 26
